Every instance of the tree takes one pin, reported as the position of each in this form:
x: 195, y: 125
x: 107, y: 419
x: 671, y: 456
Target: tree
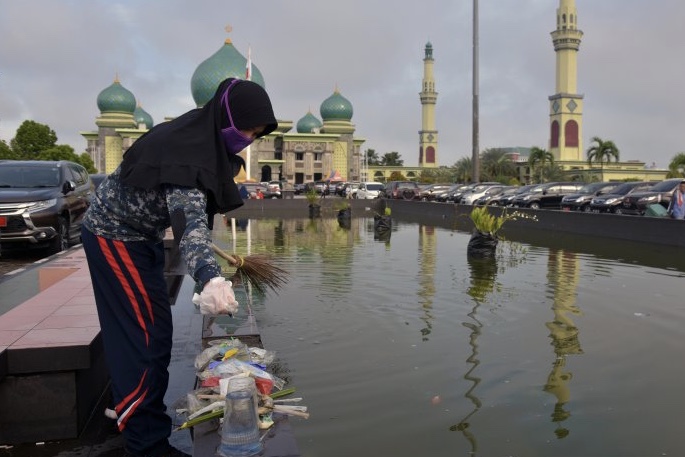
x: 392, y: 159
x: 537, y: 159
x: 397, y: 176
x: 6, y: 152
x: 31, y: 139
x: 463, y: 169
x: 496, y: 165
x: 602, y: 151
x: 372, y: 157
x: 677, y: 165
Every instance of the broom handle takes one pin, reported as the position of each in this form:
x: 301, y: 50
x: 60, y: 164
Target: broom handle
x: 232, y: 260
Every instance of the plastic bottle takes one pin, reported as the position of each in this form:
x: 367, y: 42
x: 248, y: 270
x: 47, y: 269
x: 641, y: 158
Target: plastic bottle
x: 240, y: 431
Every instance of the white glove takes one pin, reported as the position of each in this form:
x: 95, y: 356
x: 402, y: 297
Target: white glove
x: 217, y: 297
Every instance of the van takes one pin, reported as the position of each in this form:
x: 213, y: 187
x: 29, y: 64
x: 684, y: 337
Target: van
x: 406, y: 190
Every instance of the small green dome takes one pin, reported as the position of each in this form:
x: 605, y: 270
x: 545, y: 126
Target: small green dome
x: 142, y: 117
x: 308, y: 123
x: 336, y: 107
x: 116, y: 98
x: 227, y: 62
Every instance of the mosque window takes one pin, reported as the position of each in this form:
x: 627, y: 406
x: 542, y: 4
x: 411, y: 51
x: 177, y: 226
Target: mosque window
x: 554, y: 135
x: 563, y: 18
x: 318, y: 156
x: 571, y: 134
x: 299, y: 155
x: 430, y: 154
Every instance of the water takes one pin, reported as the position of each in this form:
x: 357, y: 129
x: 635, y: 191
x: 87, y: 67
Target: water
x: 405, y: 347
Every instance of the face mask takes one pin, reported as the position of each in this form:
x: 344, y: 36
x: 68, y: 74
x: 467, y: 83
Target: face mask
x: 234, y: 139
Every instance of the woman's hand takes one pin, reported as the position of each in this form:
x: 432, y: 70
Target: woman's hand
x: 217, y: 297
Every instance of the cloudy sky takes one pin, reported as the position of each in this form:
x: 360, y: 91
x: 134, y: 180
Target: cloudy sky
x: 57, y: 55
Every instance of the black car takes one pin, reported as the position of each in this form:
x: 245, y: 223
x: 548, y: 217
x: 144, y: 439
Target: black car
x: 505, y: 198
x: 637, y: 202
x: 452, y: 194
x: 546, y: 195
x: 613, y: 202
x: 581, y: 201
x: 42, y: 203
x: 406, y: 190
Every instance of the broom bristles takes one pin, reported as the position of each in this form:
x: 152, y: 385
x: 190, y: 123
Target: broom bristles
x: 258, y: 270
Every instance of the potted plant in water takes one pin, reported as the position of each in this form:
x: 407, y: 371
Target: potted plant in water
x: 314, y: 202
x: 484, y: 239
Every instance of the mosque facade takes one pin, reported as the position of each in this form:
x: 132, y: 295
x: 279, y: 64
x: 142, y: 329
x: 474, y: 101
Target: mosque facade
x: 306, y: 151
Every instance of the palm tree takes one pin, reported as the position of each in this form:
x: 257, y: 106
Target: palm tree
x: 677, y: 165
x: 538, y: 158
x: 463, y: 168
x: 496, y: 165
x: 602, y: 151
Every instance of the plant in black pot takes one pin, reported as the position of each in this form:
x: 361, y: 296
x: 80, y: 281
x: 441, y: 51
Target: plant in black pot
x: 314, y: 201
x: 344, y: 215
x: 485, y: 236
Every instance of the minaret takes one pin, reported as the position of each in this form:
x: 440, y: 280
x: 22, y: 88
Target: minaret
x: 428, y: 136
x: 566, y: 106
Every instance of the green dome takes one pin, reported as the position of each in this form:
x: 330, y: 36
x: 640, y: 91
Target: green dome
x: 142, y: 117
x: 227, y: 62
x: 308, y: 123
x: 336, y: 107
x: 116, y: 98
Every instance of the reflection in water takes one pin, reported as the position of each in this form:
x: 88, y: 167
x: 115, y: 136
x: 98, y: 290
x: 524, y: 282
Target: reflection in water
x: 483, y: 274
x: 562, y: 280
x: 426, y: 261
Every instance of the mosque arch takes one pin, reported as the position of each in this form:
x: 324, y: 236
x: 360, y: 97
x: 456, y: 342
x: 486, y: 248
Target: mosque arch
x: 571, y: 133
x: 430, y: 154
x: 554, y: 135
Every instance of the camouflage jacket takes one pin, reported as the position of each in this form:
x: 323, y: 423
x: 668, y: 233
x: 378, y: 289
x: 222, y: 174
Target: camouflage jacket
x: 127, y: 213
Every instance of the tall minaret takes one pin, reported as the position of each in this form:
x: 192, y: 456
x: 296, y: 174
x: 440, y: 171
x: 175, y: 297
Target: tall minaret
x: 566, y: 106
x: 428, y: 136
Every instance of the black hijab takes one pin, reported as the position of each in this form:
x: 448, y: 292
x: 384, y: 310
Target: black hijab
x: 189, y: 151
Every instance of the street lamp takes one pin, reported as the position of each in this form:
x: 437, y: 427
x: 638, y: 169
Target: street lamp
x: 475, y: 155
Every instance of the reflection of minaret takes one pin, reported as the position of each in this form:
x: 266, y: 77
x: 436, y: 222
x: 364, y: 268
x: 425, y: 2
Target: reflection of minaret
x: 428, y: 136
x: 427, y: 251
x: 566, y: 106
x: 562, y: 280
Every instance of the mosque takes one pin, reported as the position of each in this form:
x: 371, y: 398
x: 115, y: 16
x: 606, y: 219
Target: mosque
x: 328, y: 148
x: 317, y: 150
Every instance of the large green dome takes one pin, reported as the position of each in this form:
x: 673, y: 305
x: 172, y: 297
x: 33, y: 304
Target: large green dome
x: 116, y: 98
x: 308, y: 123
x: 336, y: 107
x: 227, y: 62
x: 142, y: 117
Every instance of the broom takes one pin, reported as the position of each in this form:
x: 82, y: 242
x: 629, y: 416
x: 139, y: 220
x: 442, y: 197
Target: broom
x: 256, y: 269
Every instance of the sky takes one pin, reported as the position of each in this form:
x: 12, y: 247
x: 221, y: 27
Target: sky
x: 57, y: 55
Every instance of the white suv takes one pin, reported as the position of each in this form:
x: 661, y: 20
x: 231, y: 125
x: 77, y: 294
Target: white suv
x: 369, y: 190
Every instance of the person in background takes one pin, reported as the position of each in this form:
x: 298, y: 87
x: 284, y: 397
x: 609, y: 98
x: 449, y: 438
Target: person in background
x: 676, y: 208
x: 260, y: 194
x: 179, y: 175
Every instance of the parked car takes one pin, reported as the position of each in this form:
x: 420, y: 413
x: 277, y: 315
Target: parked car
x: 429, y: 192
x: 321, y: 187
x: 637, y: 202
x: 369, y: 190
x: 473, y: 194
x: 492, y: 196
x: 581, y: 201
x: 406, y: 190
x: 612, y: 203
x: 505, y: 198
x: 42, y: 203
x: 546, y: 195
x: 300, y: 188
x: 452, y: 194
x: 273, y: 189
x: 336, y: 187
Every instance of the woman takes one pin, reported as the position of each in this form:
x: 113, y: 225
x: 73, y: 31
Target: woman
x: 178, y: 175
